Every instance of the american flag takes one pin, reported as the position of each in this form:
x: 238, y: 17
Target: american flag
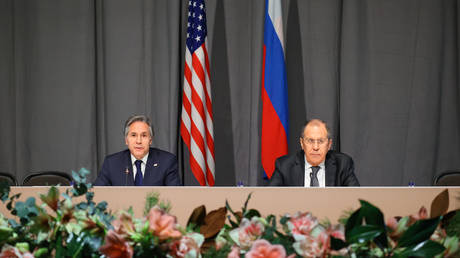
x: 196, y: 121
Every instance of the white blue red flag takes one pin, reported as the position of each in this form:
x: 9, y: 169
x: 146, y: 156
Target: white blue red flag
x: 196, y: 120
x: 275, y: 121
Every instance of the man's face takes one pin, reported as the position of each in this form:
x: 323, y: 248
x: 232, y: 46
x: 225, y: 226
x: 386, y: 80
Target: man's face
x: 138, y: 139
x: 315, y: 143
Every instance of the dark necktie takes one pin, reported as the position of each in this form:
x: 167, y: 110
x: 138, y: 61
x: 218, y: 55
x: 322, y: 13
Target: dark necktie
x: 138, y: 179
x: 313, y: 176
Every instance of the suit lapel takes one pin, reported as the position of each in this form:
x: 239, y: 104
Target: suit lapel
x: 128, y: 165
x: 331, y: 168
x: 300, y: 169
x: 149, y: 167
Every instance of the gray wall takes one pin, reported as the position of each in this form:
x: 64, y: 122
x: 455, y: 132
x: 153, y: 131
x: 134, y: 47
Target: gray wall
x: 384, y: 74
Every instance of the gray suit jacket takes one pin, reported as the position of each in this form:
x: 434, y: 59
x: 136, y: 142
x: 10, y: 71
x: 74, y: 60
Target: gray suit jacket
x: 290, y: 170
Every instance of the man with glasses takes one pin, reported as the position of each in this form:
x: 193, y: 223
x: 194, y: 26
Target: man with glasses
x: 315, y: 165
x: 139, y: 165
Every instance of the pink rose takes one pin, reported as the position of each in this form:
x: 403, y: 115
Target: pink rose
x: 337, y: 232
x: 302, y: 223
x: 312, y: 246
x: 234, y: 253
x: 124, y: 224
x: 187, y: 245
x: 422, y: 214
x: 116, y: 246
x: 9, y: 251
x: 162, y: 224
x: 263, y: 249
x: 248, y: 232
x: 392, y: 223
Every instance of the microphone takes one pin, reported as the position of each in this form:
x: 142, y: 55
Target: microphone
x: 126, y: 175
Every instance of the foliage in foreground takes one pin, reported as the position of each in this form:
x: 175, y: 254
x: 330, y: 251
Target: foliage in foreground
x: 71, y: 224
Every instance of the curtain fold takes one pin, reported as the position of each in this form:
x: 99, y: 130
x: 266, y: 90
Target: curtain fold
x: 383, y: 74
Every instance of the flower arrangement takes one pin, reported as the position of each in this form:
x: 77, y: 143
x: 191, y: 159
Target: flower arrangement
x: 71, y: 224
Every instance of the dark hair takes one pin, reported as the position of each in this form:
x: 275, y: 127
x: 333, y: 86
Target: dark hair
x: 136, y: 118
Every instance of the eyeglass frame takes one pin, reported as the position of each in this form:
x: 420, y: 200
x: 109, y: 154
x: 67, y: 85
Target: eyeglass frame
x: 312, y: 142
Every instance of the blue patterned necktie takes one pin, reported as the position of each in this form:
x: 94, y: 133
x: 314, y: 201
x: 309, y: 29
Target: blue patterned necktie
x: 313, y: 176
x: 138, y: 179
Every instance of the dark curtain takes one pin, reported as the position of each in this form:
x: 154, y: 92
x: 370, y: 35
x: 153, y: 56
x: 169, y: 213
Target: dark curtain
x: 383, y: 74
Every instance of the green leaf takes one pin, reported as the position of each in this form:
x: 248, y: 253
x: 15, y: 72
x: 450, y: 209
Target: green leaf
x: 337, y: 244
x: 373, y: 216
x: 418, y: 232
x: 4, y: 190
x: 363, y: 233
x: 5, y: 233
x: 246, y: 203
x: 426, y: 248
x: 251, y: 213
x: 42, y: 252
x: 452, y: 223
x: 355, y: 220
x: 52, y: 198
x: 234, y: 224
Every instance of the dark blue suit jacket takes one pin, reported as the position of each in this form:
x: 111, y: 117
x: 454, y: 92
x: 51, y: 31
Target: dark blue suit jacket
x: 160, y: 170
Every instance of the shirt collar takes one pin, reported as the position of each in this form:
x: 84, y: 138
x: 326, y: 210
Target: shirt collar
x: 308, y: 165
x: 144, y: 159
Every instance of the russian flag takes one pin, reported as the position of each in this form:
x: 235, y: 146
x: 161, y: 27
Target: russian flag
x: 275, y: 121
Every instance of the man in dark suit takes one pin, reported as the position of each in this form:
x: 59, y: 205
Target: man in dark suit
x: 139, y: 165
x: 315, y: 164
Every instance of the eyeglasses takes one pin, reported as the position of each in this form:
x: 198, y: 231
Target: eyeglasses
x: 311, y: 141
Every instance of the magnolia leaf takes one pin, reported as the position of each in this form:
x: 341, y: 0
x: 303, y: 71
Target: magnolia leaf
x: 419, y: 232
x: 213, y: 222
x: 363, y: 233
x: 451, y: 223
x: 355, y: 220
x: 197, y: 216
x: 337, y: 244
x: 5, y: 233
x: 373, y: 216
x: 52, y: 198
x: 423, y: 249
x: 440, y: 204
x: 251, y: 213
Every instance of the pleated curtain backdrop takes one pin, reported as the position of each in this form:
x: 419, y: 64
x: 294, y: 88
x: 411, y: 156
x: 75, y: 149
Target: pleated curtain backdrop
x: 383, y: 74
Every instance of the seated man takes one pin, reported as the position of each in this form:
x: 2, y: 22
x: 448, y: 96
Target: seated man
x: 139, y: 165
x: 315, y: 164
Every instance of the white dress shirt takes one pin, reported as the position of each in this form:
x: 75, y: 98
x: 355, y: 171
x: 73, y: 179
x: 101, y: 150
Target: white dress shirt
x: 144, y: 162
x: 321, y: 174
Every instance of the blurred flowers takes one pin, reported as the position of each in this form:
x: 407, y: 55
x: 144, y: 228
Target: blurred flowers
x: 65, y: 226
x: 263, y: 248
x: 161, y: 224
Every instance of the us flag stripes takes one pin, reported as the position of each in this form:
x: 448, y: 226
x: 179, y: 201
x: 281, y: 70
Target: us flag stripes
x: 196, y: 120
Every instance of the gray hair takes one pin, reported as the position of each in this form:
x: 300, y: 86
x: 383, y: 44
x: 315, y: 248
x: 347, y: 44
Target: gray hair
x: 138, y: 118
x: 316, y: 121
